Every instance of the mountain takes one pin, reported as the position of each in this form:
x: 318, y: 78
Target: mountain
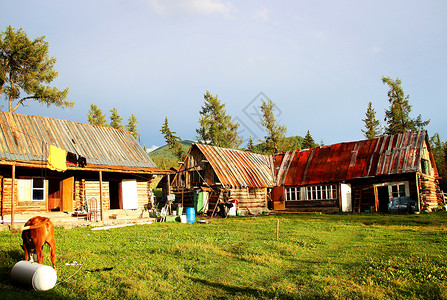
x: 164, y: 151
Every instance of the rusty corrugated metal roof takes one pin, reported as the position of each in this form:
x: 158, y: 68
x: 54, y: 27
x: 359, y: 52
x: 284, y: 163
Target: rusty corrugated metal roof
x: 237, y: 168
x: 344, y: 161
x: 27, y: 138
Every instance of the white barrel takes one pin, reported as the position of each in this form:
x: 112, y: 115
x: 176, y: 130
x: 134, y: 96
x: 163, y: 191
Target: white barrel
x: 32, y: 274
x: 183, y: 218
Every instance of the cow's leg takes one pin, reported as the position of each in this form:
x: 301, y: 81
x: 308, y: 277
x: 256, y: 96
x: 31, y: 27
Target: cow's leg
x: 39, y: 251
x: 27, y: 255
x: 52, y: 244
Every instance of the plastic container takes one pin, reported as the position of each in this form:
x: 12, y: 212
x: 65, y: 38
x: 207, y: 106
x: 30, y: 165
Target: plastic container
x: 190, y: 215
x: 183, y: 218
x: 31, y: 274
x: 179, y: 210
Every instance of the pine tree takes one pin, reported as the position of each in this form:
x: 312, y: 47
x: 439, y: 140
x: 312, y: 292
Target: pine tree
x: 308, y: 141
x: 116, y: 120
x: 398, y: 116
x: 25, y: 67
x: 172, y: 140
x: 276, y: 134
x: 216, y: 127
x: 132, y: 127
x: 96, y: 117
x: 250, y: 145
x: 439, y: 150
x: 372, y: 125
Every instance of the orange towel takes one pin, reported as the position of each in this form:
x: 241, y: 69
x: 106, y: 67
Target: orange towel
x: 57, y: 159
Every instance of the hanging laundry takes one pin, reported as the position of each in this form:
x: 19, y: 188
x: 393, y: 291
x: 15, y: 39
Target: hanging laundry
x: 57, y: 159
x: 82, y: 161
x: 72, y: 159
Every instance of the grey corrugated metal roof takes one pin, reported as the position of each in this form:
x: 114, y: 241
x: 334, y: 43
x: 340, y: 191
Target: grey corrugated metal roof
x: 27, y: 138
x: 239, y: 168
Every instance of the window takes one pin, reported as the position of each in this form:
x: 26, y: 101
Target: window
x: 424, y: 166
x: 318, y: 192
x: 398, y: 190
x: 38, y: 192
x: 31, y: 189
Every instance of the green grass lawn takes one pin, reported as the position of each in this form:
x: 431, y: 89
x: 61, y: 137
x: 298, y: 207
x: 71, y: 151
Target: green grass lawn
x: 337, y: 256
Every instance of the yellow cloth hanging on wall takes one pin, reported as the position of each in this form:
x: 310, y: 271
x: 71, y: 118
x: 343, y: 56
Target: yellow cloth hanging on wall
x: 57, y: 159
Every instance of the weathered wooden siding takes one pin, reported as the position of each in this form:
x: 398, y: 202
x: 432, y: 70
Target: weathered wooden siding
x: 250, y: 203
x: 326, y: 206
x: 429, y: 191
x: 143, y: 194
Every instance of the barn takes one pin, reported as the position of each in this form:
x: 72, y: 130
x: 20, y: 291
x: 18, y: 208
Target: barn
x: 209, y: 175
x: 49, y: 165
x: 386, y: 174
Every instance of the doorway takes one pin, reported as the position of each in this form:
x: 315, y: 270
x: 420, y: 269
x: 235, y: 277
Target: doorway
x: 54, y: 195
x: 114, y: 195
x: 384, y: 198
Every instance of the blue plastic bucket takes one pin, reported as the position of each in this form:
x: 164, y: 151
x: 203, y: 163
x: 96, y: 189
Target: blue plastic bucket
x: 190, y: 215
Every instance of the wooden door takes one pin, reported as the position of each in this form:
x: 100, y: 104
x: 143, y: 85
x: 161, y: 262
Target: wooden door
x: 67, y: 185
x: 278, y: 198
x: 54, y: 195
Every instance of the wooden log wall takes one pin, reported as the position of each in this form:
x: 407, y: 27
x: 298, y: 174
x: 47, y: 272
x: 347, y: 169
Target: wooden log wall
x: 92, y: 190
x: 143, y: 193
x: 429, y: 191
x: 313, y: 206
x: 251, y: 201
x: 19, y: 206
x: 79, y: 194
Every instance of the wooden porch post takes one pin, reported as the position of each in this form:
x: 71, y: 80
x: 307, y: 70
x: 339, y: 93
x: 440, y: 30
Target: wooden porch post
x: 100, y: 194
x: 12, y: 194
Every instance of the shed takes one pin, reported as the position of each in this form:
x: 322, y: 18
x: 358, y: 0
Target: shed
x: 224, y: 175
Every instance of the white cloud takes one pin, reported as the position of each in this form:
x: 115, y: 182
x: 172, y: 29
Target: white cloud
x: 376, y: 49
x: 201, y: 7
x: 152, y: 148
x: 262, y: 15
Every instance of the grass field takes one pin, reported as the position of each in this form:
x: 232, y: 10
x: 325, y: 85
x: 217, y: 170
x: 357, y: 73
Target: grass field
x: 366, y: 256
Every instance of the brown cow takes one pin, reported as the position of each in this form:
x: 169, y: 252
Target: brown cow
x: 37, y: 232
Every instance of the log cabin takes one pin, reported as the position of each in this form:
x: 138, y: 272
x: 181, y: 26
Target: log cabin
x: 387, y: 174
x: 49, y: 164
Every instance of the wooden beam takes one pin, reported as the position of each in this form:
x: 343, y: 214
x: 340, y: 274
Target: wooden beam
x: 100, y: 195
x: 12, y: 195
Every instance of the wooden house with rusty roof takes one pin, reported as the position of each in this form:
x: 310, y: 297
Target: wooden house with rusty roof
x: 97, y: 162
x: 224, y: 175
x: 390, y: 173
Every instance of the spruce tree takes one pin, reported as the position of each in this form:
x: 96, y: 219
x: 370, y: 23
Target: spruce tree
x: 372, y: 125
x: 115, y: 119
x: 132, y: 127
x: 276, y: 134
x: 308, y: 141
x: 216, y: 127
x: 398, y: 115
x: 96, y: 117
x: 172, y: 140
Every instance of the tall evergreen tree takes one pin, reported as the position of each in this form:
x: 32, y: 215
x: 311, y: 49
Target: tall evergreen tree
x: 398, y: 115
x: 276, y: 134
x: 132, y: 127
x: 96, y: 117
x: 250, y: 145
x: 116, y: 120
x: 172, y: 140
x: 216, y: 127
x: 439, y: 150
x: 372, y: 125
x: 308, y: 141
x: 25, y: 67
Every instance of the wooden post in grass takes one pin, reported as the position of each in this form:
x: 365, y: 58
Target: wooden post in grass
x: 277, y: 229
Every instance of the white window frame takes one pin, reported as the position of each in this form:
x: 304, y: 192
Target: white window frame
x: 312, y: 193
x: 26, y: 189
x: 390, y: 185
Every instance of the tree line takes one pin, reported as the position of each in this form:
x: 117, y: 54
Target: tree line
x: 26, y: 71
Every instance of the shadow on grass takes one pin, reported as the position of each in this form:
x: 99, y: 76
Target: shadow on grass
x: 243, y: 291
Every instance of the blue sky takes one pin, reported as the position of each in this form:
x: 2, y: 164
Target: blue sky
x: 321, y: 62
